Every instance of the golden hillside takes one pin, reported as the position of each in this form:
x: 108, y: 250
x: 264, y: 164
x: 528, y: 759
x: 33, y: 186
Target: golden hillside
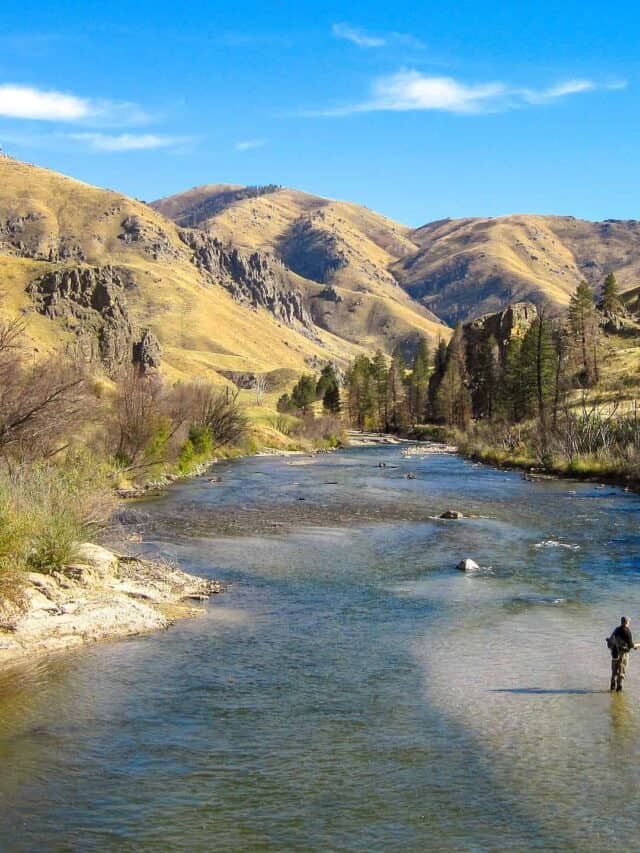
x: 93, y: 269
x: 467, y: 267
x: 53, y: 225
x: 458, y: 269
x: 329, y: 244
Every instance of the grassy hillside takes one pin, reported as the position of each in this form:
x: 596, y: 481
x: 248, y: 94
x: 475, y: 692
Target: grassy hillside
x: 51, y: 222
x: 468, y: 267
x: 329, y: 244
x: 457, y: 269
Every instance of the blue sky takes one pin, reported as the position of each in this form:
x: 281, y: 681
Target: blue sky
x: 418, y: 110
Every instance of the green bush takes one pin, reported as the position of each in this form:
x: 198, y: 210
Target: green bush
x: 197, y: 448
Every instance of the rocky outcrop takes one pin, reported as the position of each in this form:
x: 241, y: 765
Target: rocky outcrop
x: 147, y: 352
x: 91, y: 302
x: 152, y: 240
x: 502, y: 327
x: 28, y: 236
x: 256, y: 279
x: 100, y: 596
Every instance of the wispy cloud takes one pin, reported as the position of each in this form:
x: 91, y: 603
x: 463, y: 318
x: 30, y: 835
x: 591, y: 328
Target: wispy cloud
x: 127, y: 141
x: 357, y: 36
x: 411, y: 90
x: 248, y: 144
x: 29, y: 102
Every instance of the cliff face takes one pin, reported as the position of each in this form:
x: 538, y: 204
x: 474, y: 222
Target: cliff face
x: 252, y: 278
x: 502, y: 326
x: 91, y: 301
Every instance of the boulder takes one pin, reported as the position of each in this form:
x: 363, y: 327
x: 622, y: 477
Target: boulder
x: 451, y: 513
x: 103, y: 563
x: 468, y: 565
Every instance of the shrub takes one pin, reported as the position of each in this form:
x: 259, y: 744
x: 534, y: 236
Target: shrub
x: 45, y: 510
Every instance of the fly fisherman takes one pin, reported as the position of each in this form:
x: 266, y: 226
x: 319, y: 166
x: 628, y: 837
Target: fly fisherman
x: 620, y: 643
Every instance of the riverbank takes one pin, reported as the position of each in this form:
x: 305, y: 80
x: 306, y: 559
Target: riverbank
x: 101, y: 596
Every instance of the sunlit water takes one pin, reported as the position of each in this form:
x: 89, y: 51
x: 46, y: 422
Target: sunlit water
x: 352, y: 690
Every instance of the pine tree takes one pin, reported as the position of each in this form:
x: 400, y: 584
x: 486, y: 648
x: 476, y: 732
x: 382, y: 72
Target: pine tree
x: 331, y: 400
x: 304, y: 394
x: 359, y: 386
x: 418, y: 384
x: 611, y: 295
x: 439, y: 367
x: 537, y: 368
x: 328, y: 378
x: 380, y: 381
x: 453, y: 400
x: 583, y: 324
x: 511, y: 392
x: 396, y: 391
x: 483, y: 368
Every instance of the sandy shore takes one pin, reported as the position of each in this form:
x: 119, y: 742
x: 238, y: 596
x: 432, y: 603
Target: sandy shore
x: 101, y: 596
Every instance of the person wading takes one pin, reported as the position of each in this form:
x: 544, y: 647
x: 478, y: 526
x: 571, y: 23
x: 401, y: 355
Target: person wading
x: 620, y: 644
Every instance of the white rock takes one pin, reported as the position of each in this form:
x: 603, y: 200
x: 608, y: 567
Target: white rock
x: 468, y: 565
x: 104, y: 562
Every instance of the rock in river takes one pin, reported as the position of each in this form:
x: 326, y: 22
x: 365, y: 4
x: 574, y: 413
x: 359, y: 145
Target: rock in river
x: 451, y: 513
x: 468, y: 565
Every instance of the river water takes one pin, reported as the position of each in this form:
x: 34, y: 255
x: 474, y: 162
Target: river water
x: 352, y: 690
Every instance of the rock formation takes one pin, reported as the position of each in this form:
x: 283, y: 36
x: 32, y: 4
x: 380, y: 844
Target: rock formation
x: 256, y: 278
x: 91, y: 302
x: 503, y: 326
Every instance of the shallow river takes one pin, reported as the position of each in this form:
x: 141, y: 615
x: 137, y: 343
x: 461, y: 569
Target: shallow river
x: 352, y: 690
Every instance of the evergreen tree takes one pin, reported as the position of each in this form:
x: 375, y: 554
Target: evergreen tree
x: 484, y: 371
x: 331, y: 399
x: 439, y: 367
x: 418, y: 384
x: 380, y: 381
x: 583, y: 324
x: 453, y: 400
x: 611, y: 295
x: 537, y: 368
x: 328, y: 379
x: 511, y: 393
x: 360, y: 399
x: 396, y: 391
x: 304, y: 394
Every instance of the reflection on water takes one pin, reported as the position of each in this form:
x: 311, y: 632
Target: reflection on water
x: 352, y: 691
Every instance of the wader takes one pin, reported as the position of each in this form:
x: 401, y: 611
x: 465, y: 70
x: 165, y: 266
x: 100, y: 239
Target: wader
x: 619, y: 663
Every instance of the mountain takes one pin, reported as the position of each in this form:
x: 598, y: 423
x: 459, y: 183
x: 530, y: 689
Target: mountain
x: 470, y: 267
x: 341, y: 251
x: 456, y: 268
x: 225, y: 279
x: 111, y: 278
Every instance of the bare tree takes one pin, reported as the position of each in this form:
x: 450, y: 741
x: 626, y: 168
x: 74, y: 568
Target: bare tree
x: 41, y: 403
x: 260, y: 386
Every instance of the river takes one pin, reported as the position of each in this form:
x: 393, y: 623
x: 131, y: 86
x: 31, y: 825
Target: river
x: 352, y: 690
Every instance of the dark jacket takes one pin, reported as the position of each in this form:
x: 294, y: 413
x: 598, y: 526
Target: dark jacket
x: 621, y: 641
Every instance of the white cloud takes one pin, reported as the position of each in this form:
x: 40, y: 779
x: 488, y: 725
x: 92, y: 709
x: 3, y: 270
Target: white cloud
x: 357, y: 36
x: 44, y: 105
x: 28, y: 102
x: 411, y: 90
x: 127, y: 141
x: 248, y: 144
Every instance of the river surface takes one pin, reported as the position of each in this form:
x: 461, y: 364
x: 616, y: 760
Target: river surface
x: 352, y: 690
